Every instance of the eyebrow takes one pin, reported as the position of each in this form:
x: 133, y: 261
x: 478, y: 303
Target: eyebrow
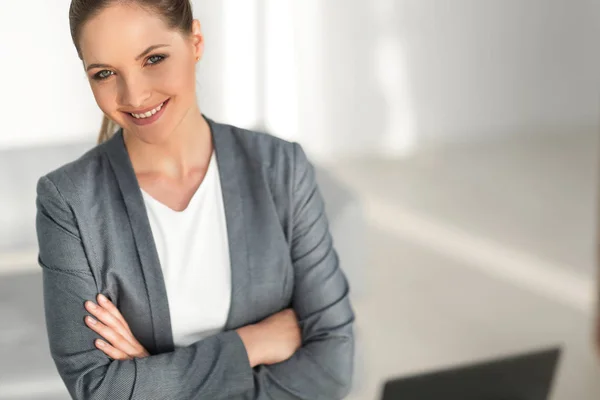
x: 142, y: 54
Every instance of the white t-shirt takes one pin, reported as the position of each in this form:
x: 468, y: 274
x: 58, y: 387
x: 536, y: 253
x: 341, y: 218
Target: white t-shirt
x: 193, y: 250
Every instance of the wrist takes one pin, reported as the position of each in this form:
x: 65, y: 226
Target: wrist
x: 252, y: 340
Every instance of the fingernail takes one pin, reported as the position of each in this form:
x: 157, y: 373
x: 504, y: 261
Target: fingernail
x: 91, y: 305
x: 91, y: 320
x: 100, y: 343
x: 101, y: 298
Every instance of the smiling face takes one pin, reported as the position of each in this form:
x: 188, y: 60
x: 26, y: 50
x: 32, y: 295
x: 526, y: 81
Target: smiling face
x: 142, y: 72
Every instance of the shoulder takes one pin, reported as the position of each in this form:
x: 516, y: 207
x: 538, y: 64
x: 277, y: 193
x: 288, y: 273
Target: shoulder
x: 82, y: 175
x: 264, y: 149
x: 258, y: 146
x: 76, y: 175
x: 61, y: 189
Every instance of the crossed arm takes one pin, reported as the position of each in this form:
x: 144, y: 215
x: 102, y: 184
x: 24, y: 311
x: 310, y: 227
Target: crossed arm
x: 218, y: 367
x: 271, y: 341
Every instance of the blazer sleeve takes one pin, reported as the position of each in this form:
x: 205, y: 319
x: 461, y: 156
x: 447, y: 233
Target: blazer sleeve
x: 213, y: 368
x: 322, y: 368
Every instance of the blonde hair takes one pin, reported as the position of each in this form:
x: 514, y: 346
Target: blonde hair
x: 107, y: 130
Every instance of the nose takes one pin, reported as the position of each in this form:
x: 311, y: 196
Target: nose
x: 133, y: 92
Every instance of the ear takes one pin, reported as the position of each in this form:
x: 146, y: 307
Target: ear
x: 197, y: 40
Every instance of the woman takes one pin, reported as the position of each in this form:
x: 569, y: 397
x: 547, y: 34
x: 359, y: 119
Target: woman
x: 209, y: 243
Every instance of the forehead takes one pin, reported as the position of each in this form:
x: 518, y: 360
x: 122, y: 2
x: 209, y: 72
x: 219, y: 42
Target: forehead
x: 122, y: 31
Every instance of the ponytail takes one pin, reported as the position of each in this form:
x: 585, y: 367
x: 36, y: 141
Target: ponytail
x: 107, y: 130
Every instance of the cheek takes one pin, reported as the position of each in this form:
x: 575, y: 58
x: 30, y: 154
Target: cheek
x: 179, y: 79
x: 105, y: 98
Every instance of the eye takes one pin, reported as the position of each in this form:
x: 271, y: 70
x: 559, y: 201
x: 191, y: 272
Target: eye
x: 102, y: 75
x: 155, y: 59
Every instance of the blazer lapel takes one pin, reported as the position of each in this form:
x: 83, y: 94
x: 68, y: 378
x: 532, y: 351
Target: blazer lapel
x: 231, y: 170
x: 231, y: 167
x: 144, y: 241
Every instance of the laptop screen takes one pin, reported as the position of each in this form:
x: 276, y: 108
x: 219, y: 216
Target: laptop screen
x: 521, y: 377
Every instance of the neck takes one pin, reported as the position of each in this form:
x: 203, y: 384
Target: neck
x: 185, y: 150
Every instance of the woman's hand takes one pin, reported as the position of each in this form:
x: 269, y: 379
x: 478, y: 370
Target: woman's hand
x: 119, y: 344
x: 273, y: 340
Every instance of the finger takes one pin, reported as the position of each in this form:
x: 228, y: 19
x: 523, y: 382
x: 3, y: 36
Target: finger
x: 106, y: 317
x: 111, y: 351
x: 112, y: 309
x: 112, y: 337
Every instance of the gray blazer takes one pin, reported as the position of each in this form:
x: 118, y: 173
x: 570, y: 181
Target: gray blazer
x: 94, y: 237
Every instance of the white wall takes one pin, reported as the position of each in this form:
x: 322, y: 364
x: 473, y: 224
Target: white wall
x: 483, y: 67
x: 45, y: 96
x: 341, y: 76
x: 402, y: 74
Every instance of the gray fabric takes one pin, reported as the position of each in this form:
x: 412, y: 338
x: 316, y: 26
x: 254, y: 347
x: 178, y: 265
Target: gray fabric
x: 348, y: 228
x: 94, y: 237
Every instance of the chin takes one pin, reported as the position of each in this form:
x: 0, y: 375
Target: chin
x: 152, y: 136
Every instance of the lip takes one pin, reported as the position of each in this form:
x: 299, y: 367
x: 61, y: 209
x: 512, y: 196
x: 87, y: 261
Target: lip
x: 149, y: 120
x: 145, y: 110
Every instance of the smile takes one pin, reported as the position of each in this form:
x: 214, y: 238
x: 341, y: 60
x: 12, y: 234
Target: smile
x: 150, y: 116
x: 148, y: 113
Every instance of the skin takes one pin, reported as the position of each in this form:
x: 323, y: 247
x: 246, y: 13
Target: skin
x: 170, y: 156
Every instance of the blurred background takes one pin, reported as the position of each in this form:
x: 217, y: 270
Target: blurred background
x: 456, y: 143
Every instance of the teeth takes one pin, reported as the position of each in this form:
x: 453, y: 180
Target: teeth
x: 147, y: 114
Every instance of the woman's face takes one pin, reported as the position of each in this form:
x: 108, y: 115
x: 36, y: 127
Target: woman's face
x: 137, y: 67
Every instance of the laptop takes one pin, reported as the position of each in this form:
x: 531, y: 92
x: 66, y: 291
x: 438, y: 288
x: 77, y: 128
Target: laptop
x: 526, y: 376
